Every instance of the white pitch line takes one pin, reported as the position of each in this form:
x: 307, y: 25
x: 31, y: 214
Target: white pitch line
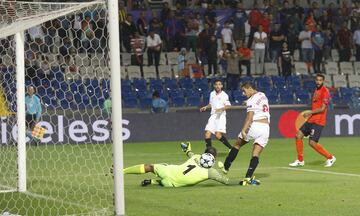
x: 322, y: 171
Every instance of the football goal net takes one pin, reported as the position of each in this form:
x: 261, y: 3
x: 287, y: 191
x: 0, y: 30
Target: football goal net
x: 60, y: 101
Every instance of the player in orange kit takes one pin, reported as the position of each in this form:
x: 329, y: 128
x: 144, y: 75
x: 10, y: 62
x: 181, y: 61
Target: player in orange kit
x: 316, y: 118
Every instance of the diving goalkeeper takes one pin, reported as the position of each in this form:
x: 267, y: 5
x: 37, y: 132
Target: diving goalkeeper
x: 186, y: 174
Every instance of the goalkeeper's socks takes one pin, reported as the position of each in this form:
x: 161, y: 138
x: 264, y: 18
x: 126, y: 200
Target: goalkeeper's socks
x: 137, y: 169
x: 155, y: 182
x: 225, y: 141
x: 230, y: 158
x: 322, y: 151
x: 299, y: 149
x: 208, y: 142
x: 252, y: 166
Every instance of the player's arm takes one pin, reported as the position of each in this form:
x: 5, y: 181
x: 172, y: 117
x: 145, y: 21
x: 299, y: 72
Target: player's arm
x: 216, y: 176
x: 204, y: 108
x: 247, y: 123
x: 226, y: 106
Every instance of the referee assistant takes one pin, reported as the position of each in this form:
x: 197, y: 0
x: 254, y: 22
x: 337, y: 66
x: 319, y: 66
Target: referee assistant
x: 33, y: 110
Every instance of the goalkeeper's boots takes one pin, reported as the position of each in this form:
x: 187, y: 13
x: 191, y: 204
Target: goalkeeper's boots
x: 186, y: 147
x: 146, y: 182
x: 249, y: 181
x: 221, y: 166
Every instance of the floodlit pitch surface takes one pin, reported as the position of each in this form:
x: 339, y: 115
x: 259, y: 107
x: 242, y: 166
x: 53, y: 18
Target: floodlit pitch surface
x: 311, y: 190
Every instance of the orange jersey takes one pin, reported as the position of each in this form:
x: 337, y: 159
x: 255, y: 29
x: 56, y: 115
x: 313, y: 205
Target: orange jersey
x: 321, y: 96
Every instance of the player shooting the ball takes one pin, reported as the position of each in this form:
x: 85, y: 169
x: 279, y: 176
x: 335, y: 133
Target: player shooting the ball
x: 195, y: 170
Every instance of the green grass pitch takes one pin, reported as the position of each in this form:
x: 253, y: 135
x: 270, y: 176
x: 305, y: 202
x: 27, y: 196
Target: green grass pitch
x: 312, y: 190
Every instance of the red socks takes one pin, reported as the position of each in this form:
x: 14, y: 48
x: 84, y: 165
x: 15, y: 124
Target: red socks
x: 299, y: 149
x: 322, y: 151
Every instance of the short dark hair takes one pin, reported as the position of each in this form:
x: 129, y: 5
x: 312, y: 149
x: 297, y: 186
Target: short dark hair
x: 211, y: 150
x: 248, y: 85
x: 156, y: 94
x: 217, y: 80
x: 320, y: 75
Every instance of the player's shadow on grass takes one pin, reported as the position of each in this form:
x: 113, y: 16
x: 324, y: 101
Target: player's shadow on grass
x: 222, y: 154
x: 262, y: 175
x: 317, y: 162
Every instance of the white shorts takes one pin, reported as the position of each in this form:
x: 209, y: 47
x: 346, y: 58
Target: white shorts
x: 216, y: 123
x: 259, y: 132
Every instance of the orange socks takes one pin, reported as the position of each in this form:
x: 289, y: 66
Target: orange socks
x: 322, y: 151
x: 299, y: 149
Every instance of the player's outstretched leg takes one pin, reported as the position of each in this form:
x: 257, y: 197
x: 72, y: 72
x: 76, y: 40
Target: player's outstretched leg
x: 249, y: 177
x: 321, y: 150
x: 220, y: 136
x: 147, y: 182
x: 299, y: 149
x: 139, y: 169
x: 208, y: 138
x: 232, y: 154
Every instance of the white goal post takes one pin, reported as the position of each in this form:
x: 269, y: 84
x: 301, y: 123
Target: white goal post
x: 15, y: 19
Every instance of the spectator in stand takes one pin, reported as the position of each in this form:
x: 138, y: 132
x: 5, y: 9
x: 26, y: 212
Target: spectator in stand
x: 203, y: 41
x: 356, y: 38
x: 227, y: 36
x: 344, y: 40
x: 244, y: 58
x: 181, y: 59
x: 271, y: 9
x: 316, y: 10
x: 285, y: 13
x: 332, y: 10
x: 310, y: 21
x: 192, y: 29
x: 339, y: 21
x: 292, y: 38
x: 66, y: 50
x: 159, y: 105
x: 260, y: 39
x: 239, y: 19
x: 344, y: 9
x: 142, y: 25
x: 171, y: 29
x: 210, y: 16
x: 211, y: 51
x: 154, y: 44
x: 137, y: 49
x: 297, y: 9
x: 306, y: 47
x: 199, y: 22
x: 232, y: 75
x: 285, y: 61
x: 277, y: 38
x: 325, y: 21
x: 122, y: 18
x: 128, y: 29
x: 165, y: 12
x: 254, y: 21
x: 317, y: 40
x: 328, y: 35
x: 37, y: 36
x: 76, y: 29
x: 354, y: 20
x: 155, y: 25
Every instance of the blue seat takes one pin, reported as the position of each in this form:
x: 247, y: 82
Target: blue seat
x: 78, y: 98
x: 55, y: 84
x: 45, y: 83
x: 246, y: 79
x: 94, y: 83
x: 90, y: 90
x: 65, y: 104
x: 143, y: 94
x: 69, y: 96
x: 202, y: 87
x: 273, y: 96
x: 201, y: 81
x: 193, y: 100
x: 130, y: 102
x: 85, y: 100
x: 140, y: 84
x: 171, y: 84
x: 178, y: 101
x: 164, y: 96
x: 279, y: 82
x: 238, y: 97
x: 46, y: 100
x: 59, y: 76
x: 263, y: 82
x: 64, y: 86
x: 128, y: 94
x: 60, y: 94
x: 95, y: 101
x: 156, y: 85
x: 106, y: 93
x: 98, y: 92
x: 146, y: 102
x: 205, y: 100
x: 176, y: 93
x: 294, y: 82
x: 309, y: 85
x: 286, y: 98
x: 106, y: 83
x: 302, y: 97
x: 186, y: 83
x: 191, y: 92
x: 41, y: 91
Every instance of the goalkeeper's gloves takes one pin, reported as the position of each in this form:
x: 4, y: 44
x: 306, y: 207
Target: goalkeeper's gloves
x: 186, y: 147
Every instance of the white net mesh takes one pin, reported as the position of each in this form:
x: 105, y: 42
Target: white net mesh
x: 66, y: 60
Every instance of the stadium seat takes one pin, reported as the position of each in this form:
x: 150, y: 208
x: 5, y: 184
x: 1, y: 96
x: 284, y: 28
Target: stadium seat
x: 60, y: 94
x: 165, y: 71
x: 205, y: 100
x: 278, y: 82
x: 105, y: 83
x: 143, y: 94
x: 246, y: 79
x: 164, y: 96
x: 328, y: 80
x: 191, y: 92
x: 162, y: 59
x: 65, y: 104
x: 302, y: 97
x: 45, y: 83
x: 98, y: 92
x: 331, y: 68
x: 178, y: 101
x: 286, y: 98
x: 354, y: 81
x: 294, y: 82
x: 49, y: 92
x: 85, y: 100
x: 172, y: 58
x: 130, y: 102
x: 191, y: 58
x: 186, y: 83
x: 176, y: 93
x: 125, y: 59
x: 139, y: 84
x: 41, y: 91
x: 133, y: 72
x: 238, y: 97
x: 128, y: 94
x: 146, y: 102
x: 149, y: 72
x: 171, y: 84
x: 156, y: 85
x: 301, y: 68
x: 340, y: 81
x: 82, y: 59
x: 263, y: 83
x: 64, y: 86
x: 335, y: 55
x: 193, y: 100
x: 271, y: 69
x: 87, y: 73
x: 346, y: 68
x: 357, y: 68
x: 106, y: 93
x: 309, y: 85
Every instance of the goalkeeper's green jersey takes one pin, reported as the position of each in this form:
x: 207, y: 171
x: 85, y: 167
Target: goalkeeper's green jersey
x: 188, y: 173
